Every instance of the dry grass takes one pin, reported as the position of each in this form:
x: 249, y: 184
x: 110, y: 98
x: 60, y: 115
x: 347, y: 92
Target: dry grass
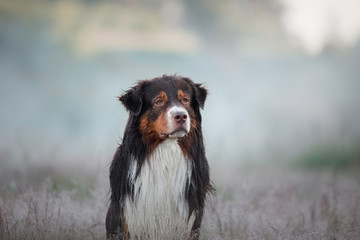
x: 254, y: 203
x: 49, y: 214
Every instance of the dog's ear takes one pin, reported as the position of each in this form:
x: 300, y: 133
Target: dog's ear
x: 133, y: 99
x: 200, y: 94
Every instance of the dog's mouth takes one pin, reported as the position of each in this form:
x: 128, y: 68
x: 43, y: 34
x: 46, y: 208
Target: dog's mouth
x: 178, y: 133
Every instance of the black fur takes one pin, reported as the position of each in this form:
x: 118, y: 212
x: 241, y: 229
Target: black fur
x: 136, y: 102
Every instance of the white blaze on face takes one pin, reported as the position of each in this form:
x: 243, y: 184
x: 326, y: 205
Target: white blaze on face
x: 173, y: 125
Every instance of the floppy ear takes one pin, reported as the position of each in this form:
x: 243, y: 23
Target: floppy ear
x: 132, y: 99
x: 199, y: 91
x: 200, y: 94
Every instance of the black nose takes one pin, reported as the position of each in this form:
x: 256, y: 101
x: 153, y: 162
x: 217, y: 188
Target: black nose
x: 180, y: 117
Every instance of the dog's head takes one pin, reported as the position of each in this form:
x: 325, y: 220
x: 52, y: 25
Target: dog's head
x: 165, y: 107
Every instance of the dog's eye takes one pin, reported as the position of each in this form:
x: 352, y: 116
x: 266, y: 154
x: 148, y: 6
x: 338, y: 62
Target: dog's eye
x: 185, y: 100
x: 159, y: 102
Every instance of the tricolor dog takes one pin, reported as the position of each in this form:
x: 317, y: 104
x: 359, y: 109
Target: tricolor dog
x: 159, y: 176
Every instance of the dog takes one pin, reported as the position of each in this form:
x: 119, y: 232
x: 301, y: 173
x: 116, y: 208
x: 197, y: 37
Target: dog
x: 159, y: 176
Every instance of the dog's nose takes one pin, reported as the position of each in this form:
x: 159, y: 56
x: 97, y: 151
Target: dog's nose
x: 180, y: 116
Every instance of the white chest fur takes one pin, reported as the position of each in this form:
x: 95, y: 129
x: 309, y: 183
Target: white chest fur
x: 159, y: 206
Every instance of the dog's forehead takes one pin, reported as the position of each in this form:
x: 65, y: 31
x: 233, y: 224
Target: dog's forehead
x: 169, y: 86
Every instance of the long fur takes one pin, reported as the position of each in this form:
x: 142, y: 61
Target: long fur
x: 158, y: 185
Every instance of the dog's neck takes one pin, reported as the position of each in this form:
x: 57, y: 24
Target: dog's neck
x: 159, y: 190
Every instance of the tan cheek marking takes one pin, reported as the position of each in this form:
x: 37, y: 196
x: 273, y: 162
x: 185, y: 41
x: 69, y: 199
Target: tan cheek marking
x: 144, y: 123
x: 161, y: 124
x: 193, y: 123
x: 149, y: 130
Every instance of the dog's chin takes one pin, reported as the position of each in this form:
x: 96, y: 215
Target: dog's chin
x: 178, y: 133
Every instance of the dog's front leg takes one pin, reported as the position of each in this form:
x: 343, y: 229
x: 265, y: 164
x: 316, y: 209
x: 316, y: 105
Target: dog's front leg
x: 116, y: 227
x: 195, y: 230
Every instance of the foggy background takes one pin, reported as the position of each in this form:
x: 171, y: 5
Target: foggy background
x: 283, y: 78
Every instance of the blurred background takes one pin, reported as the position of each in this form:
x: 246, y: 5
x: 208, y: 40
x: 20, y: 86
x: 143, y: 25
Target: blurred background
x: 283, y: 77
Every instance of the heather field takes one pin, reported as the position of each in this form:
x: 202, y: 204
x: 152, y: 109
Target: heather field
x: 280, y: 123
x: 257, y: 202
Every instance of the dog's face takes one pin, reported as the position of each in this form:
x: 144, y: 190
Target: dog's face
x: 166, y: 107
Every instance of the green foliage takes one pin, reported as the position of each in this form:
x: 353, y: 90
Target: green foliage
x: 80, y: 187
x: 325, y: 157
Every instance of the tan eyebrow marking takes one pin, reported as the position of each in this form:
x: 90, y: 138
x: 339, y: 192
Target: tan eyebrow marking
x: 162, y: 95
x: 182, y: 95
